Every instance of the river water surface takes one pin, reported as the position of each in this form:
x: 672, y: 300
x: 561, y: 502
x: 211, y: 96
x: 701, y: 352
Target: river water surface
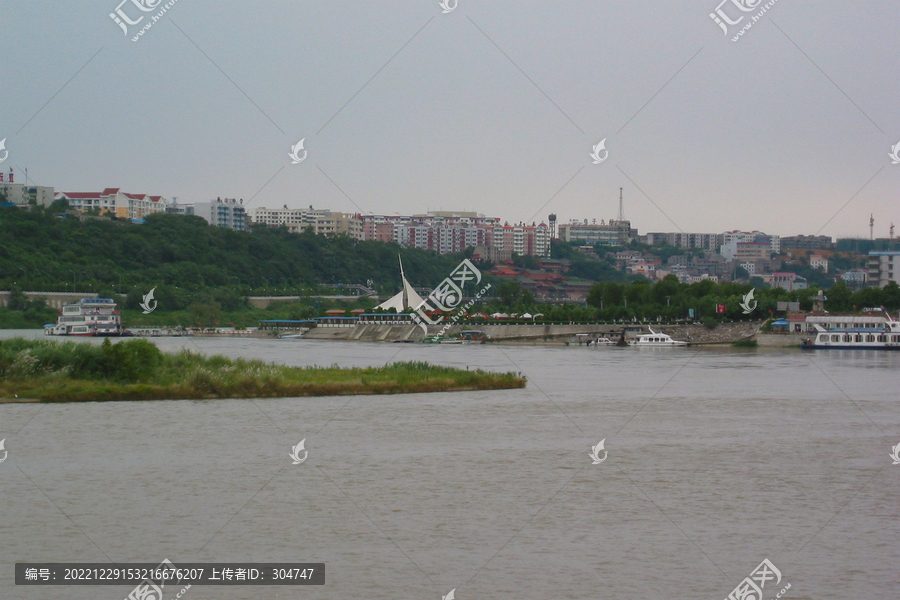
x: 717, y: 459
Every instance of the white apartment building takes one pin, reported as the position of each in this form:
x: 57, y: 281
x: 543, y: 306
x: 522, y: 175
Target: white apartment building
x: 884, y: 267
x: 817, y: 261
x: 287, y: 216
x: 114, y: 201
x: 220, y: 212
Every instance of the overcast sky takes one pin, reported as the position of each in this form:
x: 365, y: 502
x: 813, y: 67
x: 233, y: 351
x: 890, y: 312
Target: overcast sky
x: 493, y: 107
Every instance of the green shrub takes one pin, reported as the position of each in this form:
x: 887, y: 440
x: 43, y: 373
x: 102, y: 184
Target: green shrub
x: 745, y: 344
x: 710, y: 322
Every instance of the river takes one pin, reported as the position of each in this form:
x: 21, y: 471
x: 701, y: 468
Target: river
x: 717, y: 459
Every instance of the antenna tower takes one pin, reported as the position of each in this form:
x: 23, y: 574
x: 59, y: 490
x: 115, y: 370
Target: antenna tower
x: 621, y: 207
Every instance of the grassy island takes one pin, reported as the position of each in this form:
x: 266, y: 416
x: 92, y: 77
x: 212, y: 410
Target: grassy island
x: 50, y: 371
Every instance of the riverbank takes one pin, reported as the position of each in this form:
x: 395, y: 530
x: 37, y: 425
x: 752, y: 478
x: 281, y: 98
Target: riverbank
x: 50, y: 371
x: 539, y: 334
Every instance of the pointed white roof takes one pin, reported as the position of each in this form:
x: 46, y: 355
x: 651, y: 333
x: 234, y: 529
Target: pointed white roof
x: 407, y: 298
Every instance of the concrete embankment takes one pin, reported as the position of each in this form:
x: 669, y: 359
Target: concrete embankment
x: 725, y: 333
x: 780, y: 340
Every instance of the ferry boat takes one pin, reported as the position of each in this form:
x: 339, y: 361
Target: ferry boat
x: 853, y: 332
x: 655, y: 339
x: 88, y: 317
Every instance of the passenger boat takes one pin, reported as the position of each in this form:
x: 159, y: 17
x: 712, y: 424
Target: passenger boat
x: 853, y: 332
x: 88, y: 317
x: 655, y: 339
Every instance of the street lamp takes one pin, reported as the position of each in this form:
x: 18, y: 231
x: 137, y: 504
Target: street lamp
x: 73, y: 279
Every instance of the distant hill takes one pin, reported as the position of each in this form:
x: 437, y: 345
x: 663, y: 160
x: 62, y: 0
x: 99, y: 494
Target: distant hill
x: 42, y: 251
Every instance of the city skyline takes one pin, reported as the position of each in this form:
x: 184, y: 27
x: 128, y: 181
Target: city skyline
x: 491, y: 108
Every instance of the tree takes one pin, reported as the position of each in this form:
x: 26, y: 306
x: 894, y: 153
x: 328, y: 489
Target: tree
x: 509, y: 293
x: 58, y: 206
x: 839, y: 297
x: 890, y: 296
x: 205, y: 314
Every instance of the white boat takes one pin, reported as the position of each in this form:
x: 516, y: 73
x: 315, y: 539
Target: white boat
x: 655, y: 339
x: 853, y: 332
x: 591, y: 339
x: 88, y: 317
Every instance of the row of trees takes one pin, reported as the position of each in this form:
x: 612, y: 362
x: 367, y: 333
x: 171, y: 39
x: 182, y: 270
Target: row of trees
x: 671, y: 300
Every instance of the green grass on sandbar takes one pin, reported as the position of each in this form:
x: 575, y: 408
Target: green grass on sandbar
x: 53, y: 371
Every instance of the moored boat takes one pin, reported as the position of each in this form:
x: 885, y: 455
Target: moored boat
x: 853, y: 332
x: 88, y: 317
x: 656, y: 340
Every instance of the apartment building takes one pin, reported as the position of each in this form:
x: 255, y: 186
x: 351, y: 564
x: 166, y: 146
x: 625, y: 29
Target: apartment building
x: 24, y: 195
x: 223, y: 212
x: 733, y: 237
x: 883, y: 266
x: 678, y: 239
x: 113, y: 201
x: 807, y: 242
x: 613, y: 233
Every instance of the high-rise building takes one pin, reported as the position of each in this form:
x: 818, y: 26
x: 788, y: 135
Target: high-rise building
x: 884, y: 267
x: 223, y: 212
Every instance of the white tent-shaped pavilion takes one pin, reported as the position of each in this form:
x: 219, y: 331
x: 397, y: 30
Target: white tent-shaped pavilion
x: 407, y: 298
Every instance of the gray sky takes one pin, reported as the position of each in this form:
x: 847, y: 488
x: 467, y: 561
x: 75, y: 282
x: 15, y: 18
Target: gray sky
x: 494, y: 106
